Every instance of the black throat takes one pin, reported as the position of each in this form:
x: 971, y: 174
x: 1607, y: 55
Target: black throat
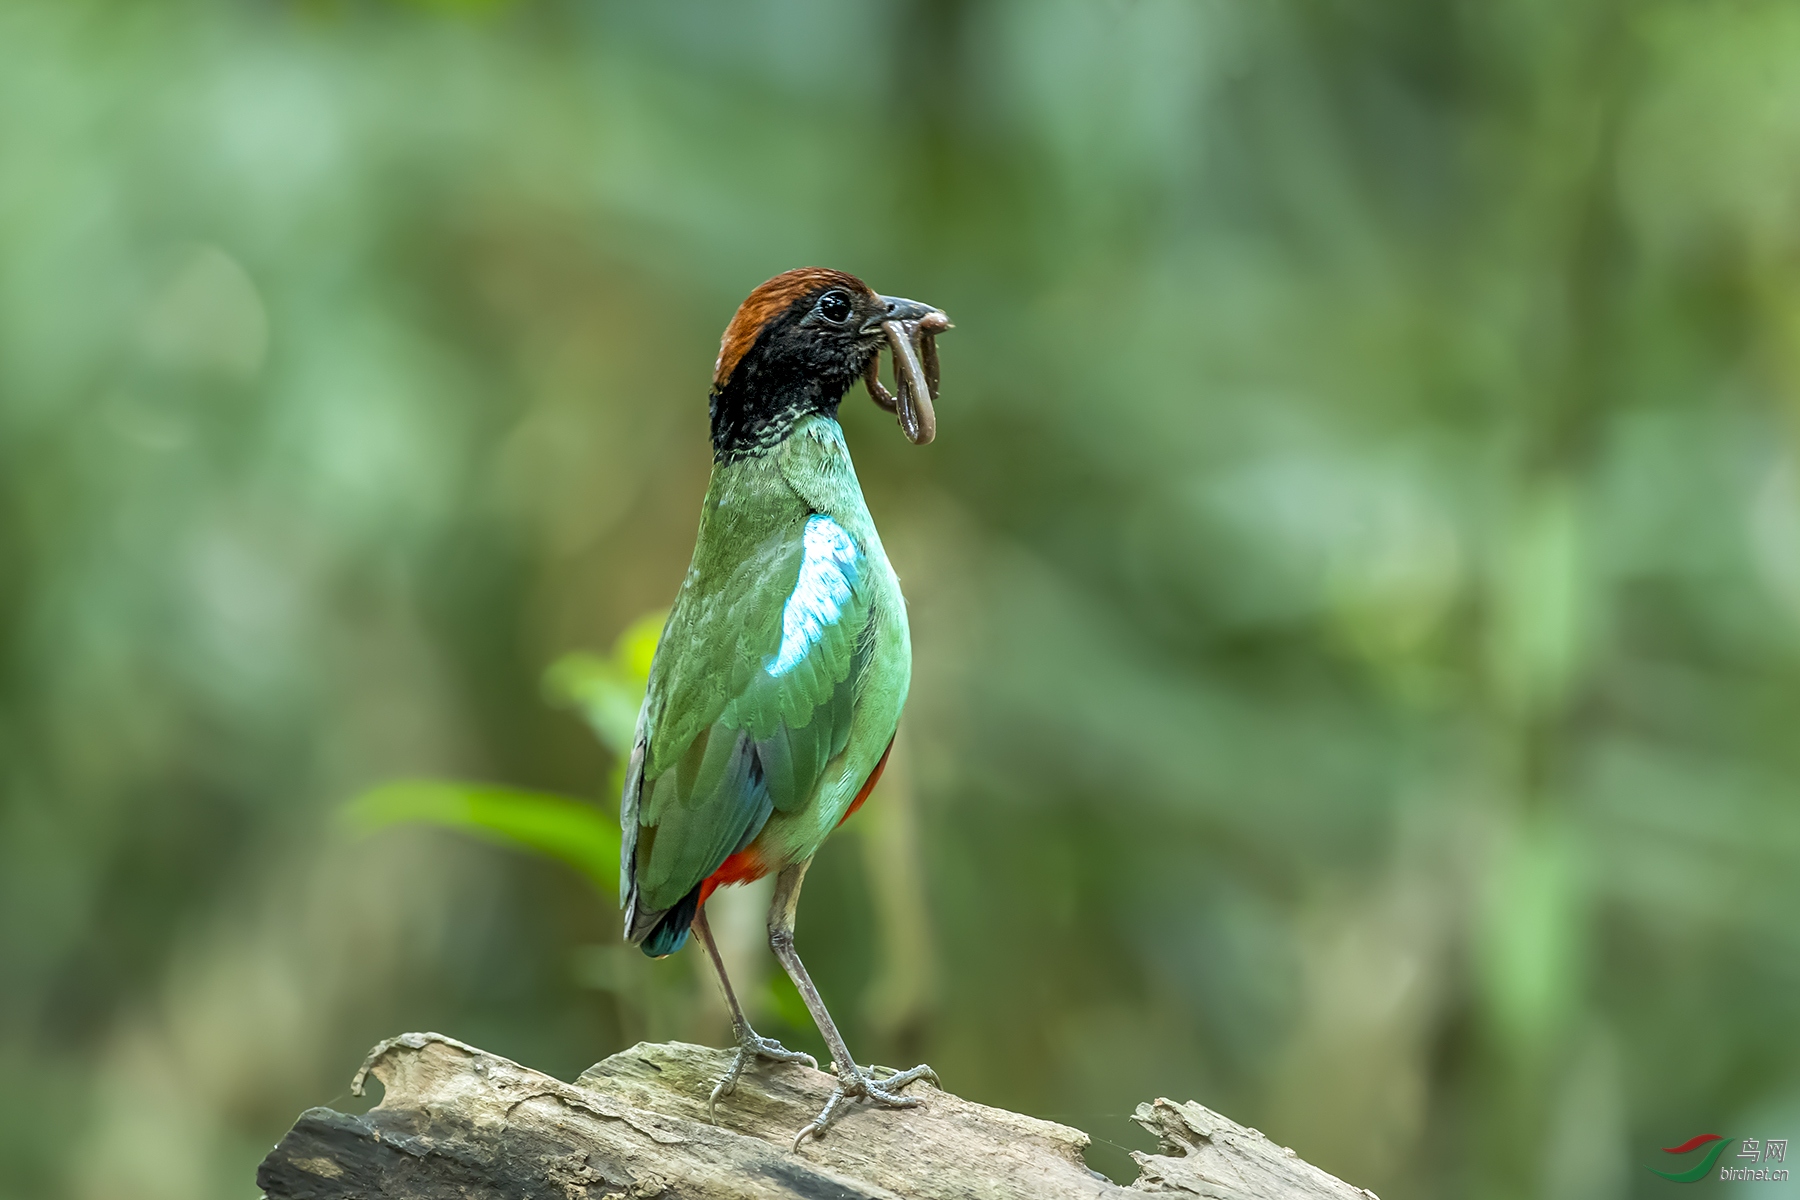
x: 748, y: 420
x: 789, y: 373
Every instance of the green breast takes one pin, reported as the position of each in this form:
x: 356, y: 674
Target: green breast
x: 780, y: 676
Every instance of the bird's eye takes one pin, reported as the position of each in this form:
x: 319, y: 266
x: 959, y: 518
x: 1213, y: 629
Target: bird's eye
x: 835, y: 307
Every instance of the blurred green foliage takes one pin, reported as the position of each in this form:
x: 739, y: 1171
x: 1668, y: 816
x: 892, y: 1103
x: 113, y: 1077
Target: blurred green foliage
x: 581, y: 835
x: 1356, y: 587
x: 608, y: 691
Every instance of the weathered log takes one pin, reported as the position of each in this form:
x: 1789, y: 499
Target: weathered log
x: 459, y: 1122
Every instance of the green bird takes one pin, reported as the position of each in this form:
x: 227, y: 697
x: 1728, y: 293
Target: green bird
x: 781, y: 672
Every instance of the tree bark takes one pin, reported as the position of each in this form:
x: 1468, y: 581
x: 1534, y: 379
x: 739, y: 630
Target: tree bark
x: 458, y: 1122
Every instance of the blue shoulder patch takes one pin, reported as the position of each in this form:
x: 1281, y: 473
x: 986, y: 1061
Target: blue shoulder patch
x: 829, y: 570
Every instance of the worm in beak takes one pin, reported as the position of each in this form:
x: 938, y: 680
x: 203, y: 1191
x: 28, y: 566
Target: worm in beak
x: 912, y: 338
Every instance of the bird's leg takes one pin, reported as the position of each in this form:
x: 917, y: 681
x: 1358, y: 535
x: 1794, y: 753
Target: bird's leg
x: 749, y: 1043
x: 853, y: 1081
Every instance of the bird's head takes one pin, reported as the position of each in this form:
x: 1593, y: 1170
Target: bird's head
x: 800, y: 340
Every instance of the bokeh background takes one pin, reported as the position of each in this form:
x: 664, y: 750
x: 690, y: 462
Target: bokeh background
x: 1356, y: 588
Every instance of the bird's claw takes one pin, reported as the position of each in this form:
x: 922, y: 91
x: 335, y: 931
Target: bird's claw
x: 863, y: 1085
x: 752, y: 1045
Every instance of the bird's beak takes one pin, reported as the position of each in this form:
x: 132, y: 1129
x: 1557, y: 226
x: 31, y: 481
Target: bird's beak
x: 911, y: 330
x: 897, y: 308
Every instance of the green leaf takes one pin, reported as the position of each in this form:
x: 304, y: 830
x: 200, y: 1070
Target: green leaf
x: 561, y: 827
x: 609, y: 690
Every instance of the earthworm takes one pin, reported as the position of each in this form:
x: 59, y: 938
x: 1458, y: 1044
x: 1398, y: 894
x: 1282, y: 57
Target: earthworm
x: 914, y: 346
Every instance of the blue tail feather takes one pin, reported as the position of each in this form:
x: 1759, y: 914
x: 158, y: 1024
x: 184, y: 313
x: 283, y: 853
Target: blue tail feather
x: 671, y: 933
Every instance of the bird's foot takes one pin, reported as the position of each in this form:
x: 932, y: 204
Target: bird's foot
x: 863, y: 1085
x: 752, y: 1045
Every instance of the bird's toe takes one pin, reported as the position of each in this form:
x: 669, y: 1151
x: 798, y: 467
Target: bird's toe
x: 769, y: 1048
x: 899, y: 1079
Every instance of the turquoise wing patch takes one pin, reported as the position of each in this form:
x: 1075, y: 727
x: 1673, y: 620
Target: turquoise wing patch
x: 788, y: 712
x: 798, y: 706
x: 830, y: 569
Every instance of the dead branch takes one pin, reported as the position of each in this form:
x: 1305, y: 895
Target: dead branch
x: 459, y: 1122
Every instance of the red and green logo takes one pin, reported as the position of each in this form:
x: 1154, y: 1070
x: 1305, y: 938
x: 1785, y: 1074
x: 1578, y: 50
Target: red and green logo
x: 1716, y: 1146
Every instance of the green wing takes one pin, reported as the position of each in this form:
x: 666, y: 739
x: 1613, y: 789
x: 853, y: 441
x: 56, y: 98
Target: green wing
x: 751, y: 694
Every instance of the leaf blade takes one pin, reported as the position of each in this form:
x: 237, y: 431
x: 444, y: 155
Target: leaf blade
x: 561, y: 827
